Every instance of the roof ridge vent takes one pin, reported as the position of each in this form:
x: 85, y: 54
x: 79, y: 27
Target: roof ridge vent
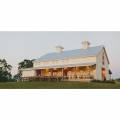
x: 85, y: 44
x: 59, y: 49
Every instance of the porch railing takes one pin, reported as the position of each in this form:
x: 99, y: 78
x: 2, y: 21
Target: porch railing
x: 56, y: 78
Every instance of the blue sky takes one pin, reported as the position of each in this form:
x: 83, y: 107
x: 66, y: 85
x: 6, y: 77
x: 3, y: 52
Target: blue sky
x: 16, y: 46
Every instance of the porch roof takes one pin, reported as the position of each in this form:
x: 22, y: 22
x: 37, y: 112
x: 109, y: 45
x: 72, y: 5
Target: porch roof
x: 61, y: 66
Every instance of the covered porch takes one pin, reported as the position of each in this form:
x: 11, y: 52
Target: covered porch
x: 84, y: 72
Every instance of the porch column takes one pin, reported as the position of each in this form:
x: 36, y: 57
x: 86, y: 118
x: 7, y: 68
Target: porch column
x: 41, y: 72
x: 52, y: 72
x: 75, y: 70
x: 62, y: 73
x: 89, y: 71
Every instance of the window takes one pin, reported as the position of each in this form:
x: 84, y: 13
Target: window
x: 103, y: 59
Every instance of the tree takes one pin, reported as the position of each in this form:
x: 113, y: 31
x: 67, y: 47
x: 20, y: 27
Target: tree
x: 17, y: 76
x: 25, y: 64
x: 5, y: 71
x: 22, y: 65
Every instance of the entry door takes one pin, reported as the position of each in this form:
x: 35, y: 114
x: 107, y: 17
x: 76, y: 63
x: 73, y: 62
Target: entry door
x: 38, y: 72
x: 104, y: 74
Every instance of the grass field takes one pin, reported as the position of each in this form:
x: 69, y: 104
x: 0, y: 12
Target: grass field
x: 58, y: 85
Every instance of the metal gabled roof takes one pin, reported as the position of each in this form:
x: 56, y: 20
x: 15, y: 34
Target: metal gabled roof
x: 92, y: 51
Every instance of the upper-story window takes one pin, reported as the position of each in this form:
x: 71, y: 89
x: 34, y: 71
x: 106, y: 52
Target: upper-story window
x: 103, y: 59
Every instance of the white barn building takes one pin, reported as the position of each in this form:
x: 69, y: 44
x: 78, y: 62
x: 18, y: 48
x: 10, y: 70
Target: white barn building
x: 85, y: 64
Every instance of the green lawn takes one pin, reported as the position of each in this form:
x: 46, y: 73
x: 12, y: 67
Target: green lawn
x: 58, y: 85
